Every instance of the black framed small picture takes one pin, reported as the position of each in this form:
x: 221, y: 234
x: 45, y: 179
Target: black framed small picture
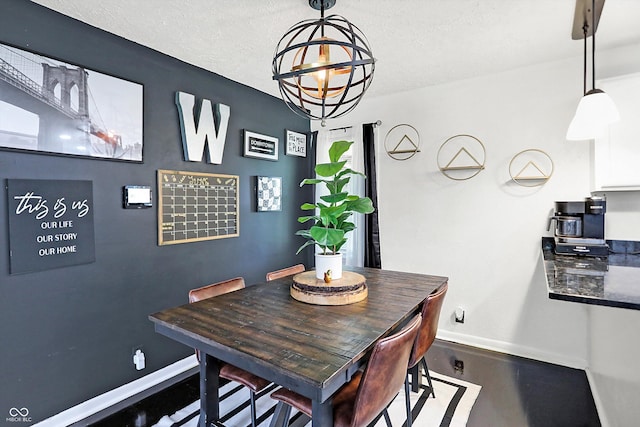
x: 269, y: 193
x: 296, y: 144
x: 260, y: 146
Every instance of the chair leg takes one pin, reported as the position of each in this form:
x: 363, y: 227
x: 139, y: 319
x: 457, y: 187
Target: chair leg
x: 426, y: 372
x: 407, y: 399
x: 281, y: 415
x: 387, y: 419
x: 253, y: 408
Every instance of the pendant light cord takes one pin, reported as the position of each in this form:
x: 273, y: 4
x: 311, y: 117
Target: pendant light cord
x: 593, y: 44
x: 585, y: 28
x: 322, y: 18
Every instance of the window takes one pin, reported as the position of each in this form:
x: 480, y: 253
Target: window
x: 353, y: 250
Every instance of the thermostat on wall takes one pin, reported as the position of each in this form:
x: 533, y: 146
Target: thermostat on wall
x: 136, y: 196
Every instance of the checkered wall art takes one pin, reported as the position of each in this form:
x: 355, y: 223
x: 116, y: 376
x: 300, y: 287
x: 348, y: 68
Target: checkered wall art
x: 269, y: 194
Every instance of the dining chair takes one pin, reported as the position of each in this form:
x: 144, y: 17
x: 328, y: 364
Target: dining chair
x: 369, y: 392
x: 254, y: 383
x: 294, y: 269
x: 431, y: 308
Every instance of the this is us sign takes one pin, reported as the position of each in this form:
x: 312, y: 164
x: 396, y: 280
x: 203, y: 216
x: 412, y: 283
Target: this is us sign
x: 50, y: 224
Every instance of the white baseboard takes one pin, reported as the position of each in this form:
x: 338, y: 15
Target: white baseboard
x: 514, y: 349
x: 99, y: 403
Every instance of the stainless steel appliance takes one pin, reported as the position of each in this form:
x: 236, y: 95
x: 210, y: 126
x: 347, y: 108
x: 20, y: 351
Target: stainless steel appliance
x: 579, y: 227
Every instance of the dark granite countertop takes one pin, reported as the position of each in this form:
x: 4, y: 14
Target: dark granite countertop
x: 613, y: 281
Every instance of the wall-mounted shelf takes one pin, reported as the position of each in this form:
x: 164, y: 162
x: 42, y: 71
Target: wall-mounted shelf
x: 531, y: 168
x: 466, y: 156
x: 402, y: 142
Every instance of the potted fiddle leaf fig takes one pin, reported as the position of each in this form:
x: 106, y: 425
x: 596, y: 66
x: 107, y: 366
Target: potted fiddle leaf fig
x: 332, y: 214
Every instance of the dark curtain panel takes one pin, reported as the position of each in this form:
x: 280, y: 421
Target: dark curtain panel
x: 372, y: 231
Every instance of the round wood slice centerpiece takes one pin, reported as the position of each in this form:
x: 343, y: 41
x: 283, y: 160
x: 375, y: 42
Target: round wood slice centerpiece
x: 349, y: 289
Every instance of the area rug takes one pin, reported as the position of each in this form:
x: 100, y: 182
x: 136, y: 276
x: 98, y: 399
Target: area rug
x: 451, y: 407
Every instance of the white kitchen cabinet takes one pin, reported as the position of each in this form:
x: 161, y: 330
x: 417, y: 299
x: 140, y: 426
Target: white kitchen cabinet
x: 616, y: 159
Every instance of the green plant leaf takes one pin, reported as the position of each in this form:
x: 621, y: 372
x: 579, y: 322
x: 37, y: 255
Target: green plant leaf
x: 337, y: 149
x: 303, y: 219
x: 329, y: 169
x: 304, y: 233
x: 363, y: 205
x: 330, y: 214
x: 311, y: 181
x: 340, y: 183
x: 339, y: 245
x: 326, y: 236
x: 335, y: 198
x: 350, y: 172
x: 307, y: 243
x: 307, y: 206
x: 347, y: 226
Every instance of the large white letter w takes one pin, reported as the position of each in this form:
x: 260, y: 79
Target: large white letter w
x: 196, y: 136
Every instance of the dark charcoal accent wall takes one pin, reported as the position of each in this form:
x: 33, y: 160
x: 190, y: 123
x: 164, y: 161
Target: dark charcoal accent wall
x: 67, y: 334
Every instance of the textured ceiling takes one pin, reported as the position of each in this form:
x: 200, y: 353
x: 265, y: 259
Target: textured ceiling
x: 417, y: 43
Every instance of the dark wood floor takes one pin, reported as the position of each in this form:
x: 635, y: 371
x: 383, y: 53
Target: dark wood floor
x: 516, y: 392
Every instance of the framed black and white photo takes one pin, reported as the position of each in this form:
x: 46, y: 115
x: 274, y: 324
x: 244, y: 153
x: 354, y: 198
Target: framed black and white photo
x: 269, y: 193
x: 53, y: 107
x: 296, y: 144
x: 260, y: 146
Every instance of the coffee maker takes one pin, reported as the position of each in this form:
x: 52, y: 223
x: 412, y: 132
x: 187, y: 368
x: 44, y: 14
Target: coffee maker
x: 580, y: 227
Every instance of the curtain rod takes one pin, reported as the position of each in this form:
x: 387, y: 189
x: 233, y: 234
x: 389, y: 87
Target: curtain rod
x: 342, y: 128
x: 376, y: 123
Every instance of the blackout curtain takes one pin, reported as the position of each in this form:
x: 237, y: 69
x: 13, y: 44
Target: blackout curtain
x: 372, y: 231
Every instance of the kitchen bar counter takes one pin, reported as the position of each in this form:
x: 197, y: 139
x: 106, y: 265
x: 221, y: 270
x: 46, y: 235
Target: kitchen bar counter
x: 612, y: 281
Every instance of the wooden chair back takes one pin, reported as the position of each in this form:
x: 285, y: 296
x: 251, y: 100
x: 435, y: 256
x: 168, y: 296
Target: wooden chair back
x: 384, y: 375
x: 427, y: 334
x: 284, y: 272
x: 215, y: 289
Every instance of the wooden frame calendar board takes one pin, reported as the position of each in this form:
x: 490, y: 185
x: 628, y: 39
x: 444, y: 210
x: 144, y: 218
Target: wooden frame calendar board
x: 195, y: 206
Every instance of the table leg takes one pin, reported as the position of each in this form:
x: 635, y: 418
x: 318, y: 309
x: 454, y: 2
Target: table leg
x: 322, y: 413
x: 209, y: 382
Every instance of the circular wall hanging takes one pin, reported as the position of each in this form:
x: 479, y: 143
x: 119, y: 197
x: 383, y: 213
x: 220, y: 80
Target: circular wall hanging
x: 402, y: 142
x: 531, y: 168
x: 461, y: 157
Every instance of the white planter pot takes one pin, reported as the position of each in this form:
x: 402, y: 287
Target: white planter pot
x: 325, y: 263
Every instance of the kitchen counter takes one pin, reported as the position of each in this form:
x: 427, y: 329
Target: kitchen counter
x: 612, y: 281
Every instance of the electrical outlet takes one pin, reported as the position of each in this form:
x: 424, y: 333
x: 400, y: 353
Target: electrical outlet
x: 139, y: 360
x: 459, y: 315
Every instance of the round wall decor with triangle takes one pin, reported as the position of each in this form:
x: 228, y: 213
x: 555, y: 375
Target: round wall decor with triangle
x: 402, y: 142
x: 531, y: 168
x: 461, y: 157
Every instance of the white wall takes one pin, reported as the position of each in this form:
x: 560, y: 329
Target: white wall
x: 484, y: 233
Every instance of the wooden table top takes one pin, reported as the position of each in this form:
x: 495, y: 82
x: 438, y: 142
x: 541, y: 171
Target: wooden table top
x: 312, y: 349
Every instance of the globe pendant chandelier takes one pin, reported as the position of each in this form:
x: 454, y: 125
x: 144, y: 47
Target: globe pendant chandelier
x: 323, y: 66
x: 596, y: 110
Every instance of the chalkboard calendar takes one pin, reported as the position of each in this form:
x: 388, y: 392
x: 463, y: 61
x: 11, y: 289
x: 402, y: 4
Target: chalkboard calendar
x: 196, y: 206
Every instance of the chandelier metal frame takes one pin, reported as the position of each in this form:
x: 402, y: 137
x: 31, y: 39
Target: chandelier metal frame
x: 320, y: 89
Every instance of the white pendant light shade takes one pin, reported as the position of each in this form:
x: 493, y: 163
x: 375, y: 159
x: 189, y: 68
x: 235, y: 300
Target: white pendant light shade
x: 595, y: 112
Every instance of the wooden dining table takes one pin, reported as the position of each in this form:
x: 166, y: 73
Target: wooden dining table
x: 310, y: 349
